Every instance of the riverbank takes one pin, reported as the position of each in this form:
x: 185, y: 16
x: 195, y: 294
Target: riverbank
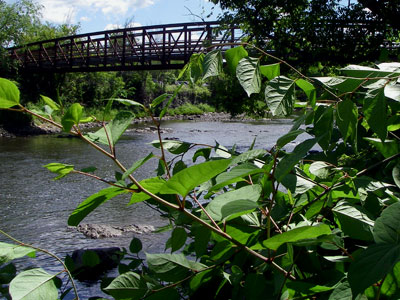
x: 44, y: 128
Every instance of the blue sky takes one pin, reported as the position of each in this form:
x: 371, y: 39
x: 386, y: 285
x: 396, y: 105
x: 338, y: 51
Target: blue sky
x: 98, y: 15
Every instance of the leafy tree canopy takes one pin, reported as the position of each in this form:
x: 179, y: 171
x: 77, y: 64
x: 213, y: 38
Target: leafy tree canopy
x: 316, y: 30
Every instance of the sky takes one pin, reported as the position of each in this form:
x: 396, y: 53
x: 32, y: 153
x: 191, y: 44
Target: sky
x: 98, y: 15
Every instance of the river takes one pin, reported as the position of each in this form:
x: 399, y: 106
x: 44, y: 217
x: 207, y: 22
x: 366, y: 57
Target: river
x: 35, y: 208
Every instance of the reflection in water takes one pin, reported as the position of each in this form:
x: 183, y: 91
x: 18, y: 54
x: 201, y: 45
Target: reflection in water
x: 35, y: 208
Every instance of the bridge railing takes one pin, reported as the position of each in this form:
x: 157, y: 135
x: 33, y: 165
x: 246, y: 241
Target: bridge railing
x: 149, y: 47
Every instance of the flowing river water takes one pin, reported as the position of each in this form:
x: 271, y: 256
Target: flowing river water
x: 35, y: 208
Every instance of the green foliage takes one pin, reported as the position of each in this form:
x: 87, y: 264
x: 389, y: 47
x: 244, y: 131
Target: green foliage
x: 317, y: 221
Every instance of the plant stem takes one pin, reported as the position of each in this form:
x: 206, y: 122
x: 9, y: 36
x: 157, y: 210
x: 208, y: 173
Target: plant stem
x: 48, y: 253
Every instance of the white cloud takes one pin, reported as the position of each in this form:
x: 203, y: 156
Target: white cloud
x: 118, y: 26
x: 59, y: 11
x: 85, y: 19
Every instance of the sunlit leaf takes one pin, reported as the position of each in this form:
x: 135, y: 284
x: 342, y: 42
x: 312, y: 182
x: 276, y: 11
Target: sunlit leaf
x: 280, y: 96
x: 320, y: 169
x: 92, y: 203
x: 32, y: 285
x: 60, y: 169
x: 9, y: 94
x: 375, y: 112
x: 9, y: 252
x: 72, y: 117
x: 129, y: 285
x: 248, y: 74
x: 308, y: 89
x: 271, y: 71
x: 173, y: 146
x: 49, y: 102
x: 233, y: 56
x: 212, y: 64
x: 157, y: 101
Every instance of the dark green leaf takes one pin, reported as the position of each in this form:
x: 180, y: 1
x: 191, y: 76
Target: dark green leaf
x: 346, y: 119
x: 157, y: 101
x: 297, y: 184
x: 179, y: 166
x: 186, y: 180
x: 387, y: 148
x: 280, y: 96
x: 364, y: 72
x: 233, y: 56
x: 135, y: 246
x: 72, y: 117
x: 354, y: 222
x: 375, y: 112
x: 234, y: 203
x: 113, y: 130
x: 372, y: 265
x: 137, y: 165
x: 345, y: 85
x: 396, y: 175
x: 248, y: 74
x: 92, y: 203
x: 89, y: 169
x: 172, y: 267
x: 178, y: 238
x: 296, y: 235
x: 308, y: 89
x: 323, y: 126
x: 9, y: 252
x: 32, y: 285
x: 205, y: 152
x: 9, y: 94
x: 290, y: 160
x: 128, y: 286
x: 287, y: 138
x: 387, y: 226
x: 271, y: 71
x: 60, y: 169
x: 212, y: 64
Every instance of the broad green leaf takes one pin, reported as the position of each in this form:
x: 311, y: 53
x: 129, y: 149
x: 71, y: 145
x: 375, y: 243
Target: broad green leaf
x: 387, y: 147
x: 323, y: 126
x: 196, y: 67
x: 113, y: 130
x: 287, y: 163
x: 346, y: 119
x: 178, y: 238
x: 249, y: 156
x: 308, y: 89
x: 297, y: 184
x: 204, y: 152
x: 396, y: 175
x: 372, y: 265
x: 60, y: 169
x: 375, y: 112
x: 387, y: 226
x: 172, y: 98
x: 248, y: 74
x: 175, y: 147
x: 49, y: 102
x: 137, y: 165
x: 235, y: 174
x: 364, y: 72
x: 33, y: 284
x: 172, y: 267
x: 9, y: 252
x: 200, y: 279
x: 135, y: 245
x: 157, y: 101
x: 280, y: 96
x: 9, y: 94
x: 92, y: 203
x: 153, y: 185
x: 233, y: 56
x: 127, y: 102
x: 392, y: 91
x: 296, y: 235
x: 307, y: 288
x: 391, y: 285
x: 345, y: 85
x: 288, y: 137
x: 271, y: 71
x: 234, y: 203
x: 212, y: 64
x: 354, y: 222
x: 186, y: 180
x: 129, y: 285
x: 72, y: 117
x: 320, y: 169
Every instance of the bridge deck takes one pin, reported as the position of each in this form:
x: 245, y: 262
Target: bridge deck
x: 140, y: 48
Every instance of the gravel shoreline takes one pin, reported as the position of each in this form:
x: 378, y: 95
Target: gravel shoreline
x: 44, y: 128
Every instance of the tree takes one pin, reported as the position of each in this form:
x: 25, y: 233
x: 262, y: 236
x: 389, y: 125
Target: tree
x: 316, y: 30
